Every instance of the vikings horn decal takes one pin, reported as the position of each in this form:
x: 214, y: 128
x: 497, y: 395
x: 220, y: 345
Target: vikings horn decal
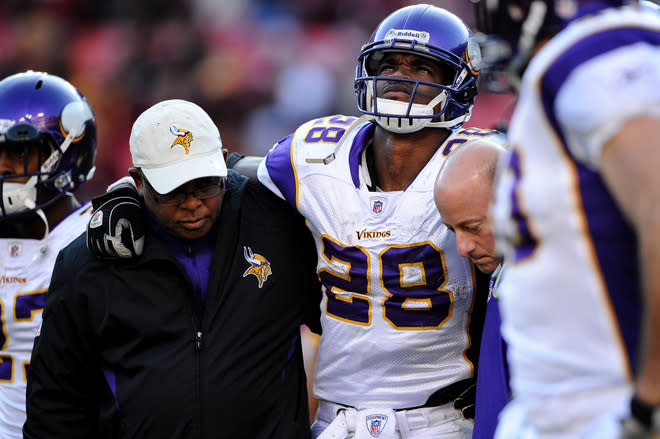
x: 183, y: 138
x: 259, y: 266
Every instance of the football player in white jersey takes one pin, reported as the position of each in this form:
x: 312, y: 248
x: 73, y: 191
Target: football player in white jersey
x: 398, y: 298
x: 576, y: 213
x: 47, y: 149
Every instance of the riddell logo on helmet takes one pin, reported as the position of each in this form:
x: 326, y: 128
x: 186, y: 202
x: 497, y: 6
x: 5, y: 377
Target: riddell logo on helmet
x: 419, y: 36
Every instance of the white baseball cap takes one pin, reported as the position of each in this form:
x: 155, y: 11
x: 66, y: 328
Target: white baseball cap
x: 176, y: 141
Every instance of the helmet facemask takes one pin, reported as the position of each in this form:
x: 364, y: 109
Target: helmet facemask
x: 405, y: 117
x: 22, y: 142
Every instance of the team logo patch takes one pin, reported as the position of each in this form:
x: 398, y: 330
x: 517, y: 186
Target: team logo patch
x: 376, y: 424
x: 183, y: 138
x: 377, y: 205
x: 97, y: 220
x: 259, y: 266
x: 15, y: 248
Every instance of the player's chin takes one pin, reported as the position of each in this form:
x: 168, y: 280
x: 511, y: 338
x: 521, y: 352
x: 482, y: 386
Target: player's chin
x: 487, y: 264
x: 193, y: 230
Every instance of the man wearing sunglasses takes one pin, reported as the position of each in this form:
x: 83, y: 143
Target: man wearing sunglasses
x: 199, y: 335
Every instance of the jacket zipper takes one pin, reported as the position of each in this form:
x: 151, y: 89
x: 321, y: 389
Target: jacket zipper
x: 197, y: 348
x: 198, y: 379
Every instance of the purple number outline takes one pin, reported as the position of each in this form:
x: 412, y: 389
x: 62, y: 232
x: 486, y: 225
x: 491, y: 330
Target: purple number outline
x: 356, y: 308
x: 440, y: 302
x: 526, y: 243
x: 25, y: 307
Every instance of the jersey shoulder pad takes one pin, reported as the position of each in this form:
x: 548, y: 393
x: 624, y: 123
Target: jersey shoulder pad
x: 480, y: 133
x: 462, y: 135
x: 320, y: 137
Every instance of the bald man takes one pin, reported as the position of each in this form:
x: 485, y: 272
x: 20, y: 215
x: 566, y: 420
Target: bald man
x: 462, y: 194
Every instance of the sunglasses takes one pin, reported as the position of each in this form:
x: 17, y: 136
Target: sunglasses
x: 203, y: 188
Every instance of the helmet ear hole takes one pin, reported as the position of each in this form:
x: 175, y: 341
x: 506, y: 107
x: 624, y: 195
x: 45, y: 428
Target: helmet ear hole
x: 467, y: 95
x: 23, y: 132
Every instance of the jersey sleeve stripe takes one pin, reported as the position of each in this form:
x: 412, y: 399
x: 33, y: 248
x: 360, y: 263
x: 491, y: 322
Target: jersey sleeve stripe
x: 620, y: 286
x: 359, y: 143
x: 282, y: 172
x: 585, y: 50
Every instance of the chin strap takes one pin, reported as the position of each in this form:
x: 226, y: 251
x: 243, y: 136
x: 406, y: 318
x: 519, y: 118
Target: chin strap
x: 44, y: 241
x: 401, y: 119
x: 45, y: 167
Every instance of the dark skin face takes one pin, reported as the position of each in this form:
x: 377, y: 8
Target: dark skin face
x: 398, y: 158
x: 12, y: 162
x: 12, y: 159
x: 402, y: 65
x: 192, y: 219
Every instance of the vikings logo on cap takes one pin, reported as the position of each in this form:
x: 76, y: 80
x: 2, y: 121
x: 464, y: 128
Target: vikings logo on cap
x: 259, y: 266
x: 183, y: 138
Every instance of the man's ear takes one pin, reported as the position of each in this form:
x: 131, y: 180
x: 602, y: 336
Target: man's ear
x: 137, y: 177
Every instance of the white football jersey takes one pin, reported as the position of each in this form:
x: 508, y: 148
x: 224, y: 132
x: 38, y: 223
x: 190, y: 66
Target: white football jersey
x: 570, y: 297
x: 26, y: 272
x: 397, y: 296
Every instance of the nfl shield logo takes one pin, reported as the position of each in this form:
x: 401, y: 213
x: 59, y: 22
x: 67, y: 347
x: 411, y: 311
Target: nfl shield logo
x: 376, y: 424
x: 15, y: 249
x: 377, y: 206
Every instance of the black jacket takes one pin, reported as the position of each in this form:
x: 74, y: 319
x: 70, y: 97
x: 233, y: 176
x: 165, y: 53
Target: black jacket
x: 233, y: 370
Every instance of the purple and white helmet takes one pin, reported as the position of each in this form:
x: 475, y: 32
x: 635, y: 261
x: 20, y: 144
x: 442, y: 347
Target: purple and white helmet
x: 41, y: 109
x: 432, y: 32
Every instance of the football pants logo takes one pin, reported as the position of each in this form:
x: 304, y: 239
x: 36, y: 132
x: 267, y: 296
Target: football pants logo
x: 376, y: 424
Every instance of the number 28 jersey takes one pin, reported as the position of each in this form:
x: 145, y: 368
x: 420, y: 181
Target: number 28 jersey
x: 397, y: 296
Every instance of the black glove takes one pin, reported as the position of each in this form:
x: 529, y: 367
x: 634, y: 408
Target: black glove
x: 116, y: 229
x: 465, y: 402
x: 643, y: 422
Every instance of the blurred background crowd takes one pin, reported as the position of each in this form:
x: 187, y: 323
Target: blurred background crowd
x: 259, y: 67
